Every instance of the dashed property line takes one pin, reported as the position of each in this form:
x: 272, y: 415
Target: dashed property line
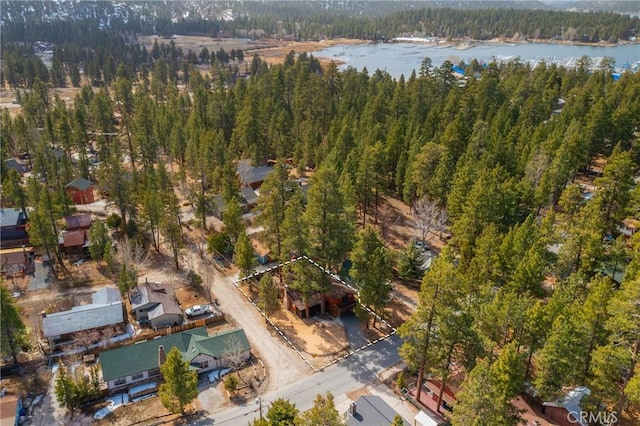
x: 337, y: 278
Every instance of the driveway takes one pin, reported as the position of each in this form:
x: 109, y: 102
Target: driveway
x: 353, y: 328
x: 40, y: 279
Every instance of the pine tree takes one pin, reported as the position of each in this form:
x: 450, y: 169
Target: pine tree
x: 282, y: 412
x: 410, y: 262
x: 244, y: 255
x: 180, y: 385
x: 486, y: 395
x: 295, y: 232
x: 272, y: 202
x: 232, y: 218
x: 372, y: 270
x: 13, y: 336
x: 99, y: 241
x: 323, y: 413
x: 331, y: 231
x: 268, y: 294
x: 66, y: 390
x: 439, y: 287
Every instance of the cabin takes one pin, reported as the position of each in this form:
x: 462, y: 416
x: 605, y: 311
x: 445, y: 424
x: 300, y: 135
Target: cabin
x: 13, y: 228
x: 252, y: 176
x: 130, y: 367
x: 74, y: 243
x: 19, y: 166
x: 338, y: 300
x: 629, y: 227
x: 566, y: 410
x: 80, y: 191
x: 77, y: 222
x: 16, y: 262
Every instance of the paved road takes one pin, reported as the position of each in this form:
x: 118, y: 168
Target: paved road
x: 357, y: 371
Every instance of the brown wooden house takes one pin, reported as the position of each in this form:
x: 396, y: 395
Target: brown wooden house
x: 74, y: 243
x: 339, y: 300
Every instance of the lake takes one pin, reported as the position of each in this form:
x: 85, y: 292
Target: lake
x: 402, y: 58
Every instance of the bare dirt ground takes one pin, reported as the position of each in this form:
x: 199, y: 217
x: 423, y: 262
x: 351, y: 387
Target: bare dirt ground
x: 272, y: 51
x: 319, y: 339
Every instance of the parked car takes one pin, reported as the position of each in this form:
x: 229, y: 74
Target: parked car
x: 115, y: 402
x: 198, y: 310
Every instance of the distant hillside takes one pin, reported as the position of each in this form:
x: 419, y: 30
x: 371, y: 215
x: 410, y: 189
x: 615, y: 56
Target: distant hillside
x: 629, y: 7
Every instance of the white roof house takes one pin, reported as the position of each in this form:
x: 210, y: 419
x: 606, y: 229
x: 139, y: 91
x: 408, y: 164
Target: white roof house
x: 105, y: 310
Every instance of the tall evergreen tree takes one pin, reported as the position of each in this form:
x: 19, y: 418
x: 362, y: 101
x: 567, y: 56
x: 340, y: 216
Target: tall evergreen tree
x: 331, y: 232
x: 272, y: 202
x: 180, y: 385
x: 372, y: 270
x: 13, y: 335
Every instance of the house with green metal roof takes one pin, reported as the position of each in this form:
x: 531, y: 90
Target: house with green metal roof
x: 132, y: 365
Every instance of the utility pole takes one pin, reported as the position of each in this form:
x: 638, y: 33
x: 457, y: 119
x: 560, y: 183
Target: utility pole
x: 259, y: 402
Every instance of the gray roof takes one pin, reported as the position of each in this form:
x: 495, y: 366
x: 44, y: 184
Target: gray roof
x: 219, y: 203
x: 372, y: 411
x: 249, y: 195
x: 249, y: 174
x: 10, y: 217
x: 165, y: 308
x: 16, y: 165
x: 143, y: 356
x: 106, y: 295
x: 80, y: 183
x: 152, y: 293
x: 105, y: 310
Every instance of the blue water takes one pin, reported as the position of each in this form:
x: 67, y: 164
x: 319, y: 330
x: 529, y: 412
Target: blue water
x: 403, y: 58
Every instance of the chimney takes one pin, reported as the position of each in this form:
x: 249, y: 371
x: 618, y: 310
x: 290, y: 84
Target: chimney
x: 162, y: 356
x: 352, y: 409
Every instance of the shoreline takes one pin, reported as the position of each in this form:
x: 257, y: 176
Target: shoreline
x: 276, y: 54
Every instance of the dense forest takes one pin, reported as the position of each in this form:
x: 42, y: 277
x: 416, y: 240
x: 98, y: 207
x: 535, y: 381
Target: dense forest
x: 59, y: 22
x: 523, y: 292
